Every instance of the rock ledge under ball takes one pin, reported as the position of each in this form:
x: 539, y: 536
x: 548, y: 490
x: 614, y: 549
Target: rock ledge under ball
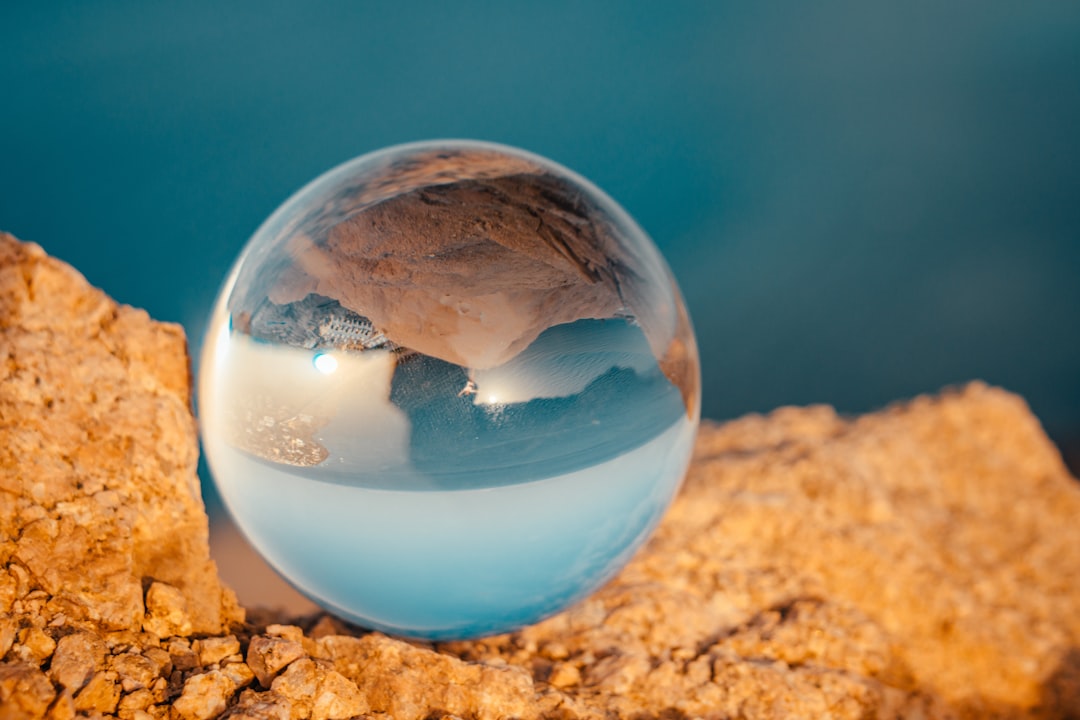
x: 916, y: 562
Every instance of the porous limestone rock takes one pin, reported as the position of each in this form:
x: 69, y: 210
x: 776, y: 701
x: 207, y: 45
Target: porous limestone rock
x: 917, y: 562
x: 267, y: 656
x: 99, y: 497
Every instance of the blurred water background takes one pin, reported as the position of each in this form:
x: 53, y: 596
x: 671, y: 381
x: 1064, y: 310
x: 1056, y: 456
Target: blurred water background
x: 861, y: 201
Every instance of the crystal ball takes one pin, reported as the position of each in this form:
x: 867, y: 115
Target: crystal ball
x: 448, y: 389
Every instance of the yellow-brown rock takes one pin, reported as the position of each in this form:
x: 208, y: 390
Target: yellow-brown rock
x: 98, y: 491
x: 76, y: 658
x: 918, y: 562
x: 267, y: 656
x: 25, y: 692
x: 212, y: 651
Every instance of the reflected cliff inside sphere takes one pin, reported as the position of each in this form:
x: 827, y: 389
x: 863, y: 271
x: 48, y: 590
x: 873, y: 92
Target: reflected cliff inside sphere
x: 448, y: 389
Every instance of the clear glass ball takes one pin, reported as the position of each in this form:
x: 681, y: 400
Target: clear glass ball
x: 448, y: 389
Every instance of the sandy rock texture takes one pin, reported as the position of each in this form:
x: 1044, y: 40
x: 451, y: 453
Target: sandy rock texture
x: 919, y: 562
x: 101, y: 521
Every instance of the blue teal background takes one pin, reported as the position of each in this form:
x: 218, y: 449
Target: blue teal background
x: 861, y: 201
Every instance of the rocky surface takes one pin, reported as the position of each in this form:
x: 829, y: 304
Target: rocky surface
x: 101, y: 521
x: 918, y: 562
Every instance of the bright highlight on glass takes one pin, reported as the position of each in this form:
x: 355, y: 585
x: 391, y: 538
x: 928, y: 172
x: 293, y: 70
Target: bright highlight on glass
x: 448, y: 389
x: 324, y: 363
